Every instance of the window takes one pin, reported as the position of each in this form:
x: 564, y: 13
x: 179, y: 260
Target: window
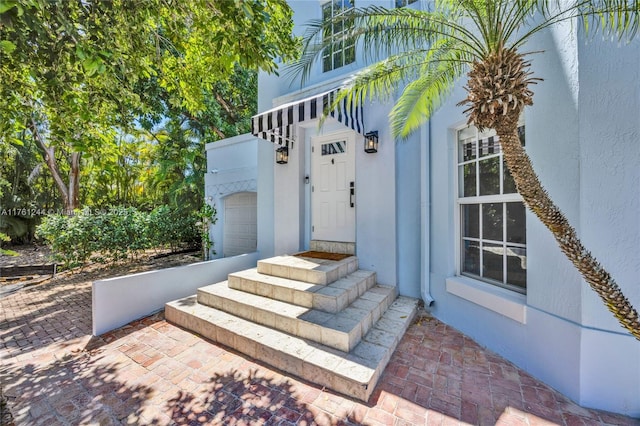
x: 333, y: 148
x: 341, y: 52
x: 403, y: 3
x: 492, y: 214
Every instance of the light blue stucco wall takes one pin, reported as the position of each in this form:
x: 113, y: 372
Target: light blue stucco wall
x: 609, y: 107
x: 388, y: 190
x: 272, y: 86
x: 582, y: 136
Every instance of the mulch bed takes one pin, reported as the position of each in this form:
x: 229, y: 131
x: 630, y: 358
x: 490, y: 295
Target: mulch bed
x: 323, y: 255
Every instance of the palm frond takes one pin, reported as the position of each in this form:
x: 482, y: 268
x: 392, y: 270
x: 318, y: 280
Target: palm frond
x: 425, y: 94
x: 382, y: 79
x: 380, y: 32
x: 619, y: 18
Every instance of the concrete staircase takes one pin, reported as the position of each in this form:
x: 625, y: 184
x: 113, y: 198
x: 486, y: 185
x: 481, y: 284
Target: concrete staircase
x: 325, y: 321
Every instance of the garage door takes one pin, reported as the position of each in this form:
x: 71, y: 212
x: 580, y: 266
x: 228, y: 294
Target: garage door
x: 240, y: 224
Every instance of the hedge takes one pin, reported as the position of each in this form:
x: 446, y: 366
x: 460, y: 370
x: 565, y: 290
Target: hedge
x: 119, y: 233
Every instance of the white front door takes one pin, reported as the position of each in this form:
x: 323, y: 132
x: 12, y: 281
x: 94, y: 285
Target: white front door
x: 333, y: 212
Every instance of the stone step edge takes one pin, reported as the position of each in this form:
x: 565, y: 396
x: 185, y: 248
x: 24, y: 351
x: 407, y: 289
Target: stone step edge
x: 325, y: 272
x: 332, y: 298
x: 355, y: 374
x: 342, y: 331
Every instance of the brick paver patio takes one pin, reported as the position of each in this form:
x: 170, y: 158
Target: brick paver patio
x: 150, y: 372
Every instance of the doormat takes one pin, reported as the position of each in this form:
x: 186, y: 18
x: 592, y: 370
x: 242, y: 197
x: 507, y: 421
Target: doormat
x: 323, y: 255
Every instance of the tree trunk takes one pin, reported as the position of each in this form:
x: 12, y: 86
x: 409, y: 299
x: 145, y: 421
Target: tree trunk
x: 538, y: 201
x: 69, y: 194
x: 74, y: 182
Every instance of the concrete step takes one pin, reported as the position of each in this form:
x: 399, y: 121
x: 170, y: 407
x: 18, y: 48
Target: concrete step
x: 330, y: 298
x: 332, y: 246
x: 310, y: 270
x: 342, y: 330
x: 354, y: 374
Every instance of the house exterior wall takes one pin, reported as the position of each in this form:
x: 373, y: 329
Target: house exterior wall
x: 232, y: 167
x: 582, y: 135
x: 378, y: 188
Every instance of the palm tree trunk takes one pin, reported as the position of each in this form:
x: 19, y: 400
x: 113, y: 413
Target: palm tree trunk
x: 538, y: 201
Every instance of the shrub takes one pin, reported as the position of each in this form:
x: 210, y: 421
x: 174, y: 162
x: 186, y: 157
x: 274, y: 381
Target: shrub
x: 117, y: 234
x: 4, y: 238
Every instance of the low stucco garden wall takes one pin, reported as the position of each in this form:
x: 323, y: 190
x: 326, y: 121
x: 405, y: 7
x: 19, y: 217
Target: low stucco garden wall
x: 120, y: 300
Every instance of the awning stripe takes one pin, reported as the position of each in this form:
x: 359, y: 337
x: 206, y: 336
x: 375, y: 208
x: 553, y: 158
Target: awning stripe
x: 278, y: 124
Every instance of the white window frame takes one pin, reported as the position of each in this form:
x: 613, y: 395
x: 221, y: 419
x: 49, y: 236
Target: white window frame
x: 477, y: 200
x: 344, y: 48
x: 506, y: 302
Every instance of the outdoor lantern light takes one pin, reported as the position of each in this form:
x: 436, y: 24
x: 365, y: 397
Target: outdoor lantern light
x: 371, y: 142
x: 282, y: 155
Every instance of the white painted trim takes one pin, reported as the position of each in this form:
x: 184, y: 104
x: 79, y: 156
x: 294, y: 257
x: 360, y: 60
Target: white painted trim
x: 120, y: 300
x: 507, y: 303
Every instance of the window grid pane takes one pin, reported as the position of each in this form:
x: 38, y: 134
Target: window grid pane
x: 341, y: 53
x: 493, y: 232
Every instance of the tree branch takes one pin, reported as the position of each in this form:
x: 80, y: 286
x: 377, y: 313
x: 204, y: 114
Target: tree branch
x: 226, y: 107
x: 50, y: 160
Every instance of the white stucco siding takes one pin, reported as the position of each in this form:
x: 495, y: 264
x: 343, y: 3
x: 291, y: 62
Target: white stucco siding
x: 273, y: 86
x: 288, y: 200
x: 265, y: 200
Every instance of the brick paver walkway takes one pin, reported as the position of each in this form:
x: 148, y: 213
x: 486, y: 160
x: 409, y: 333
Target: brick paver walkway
x: 151, y: 372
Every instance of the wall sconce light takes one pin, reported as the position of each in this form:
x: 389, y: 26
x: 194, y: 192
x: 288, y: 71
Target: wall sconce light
x: 282, y: 155
x: 371, y: 142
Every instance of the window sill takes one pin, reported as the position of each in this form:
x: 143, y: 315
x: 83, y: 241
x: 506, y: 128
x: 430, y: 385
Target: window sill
x: 507, y: 303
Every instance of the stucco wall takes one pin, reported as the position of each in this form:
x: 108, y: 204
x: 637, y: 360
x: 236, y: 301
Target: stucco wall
x: 232, y: 166
x: 120, y: 300
x: 376, y: 200
x: 378, y: 187
x: 609, y: 107
x: 409, y: 214
x: 582, y: 136
x: 273, y: 86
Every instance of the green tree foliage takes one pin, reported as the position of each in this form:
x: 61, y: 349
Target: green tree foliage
x: 73, y: 71
x: 178, y: 136
x: 426, y: 52
x: 25, y: 187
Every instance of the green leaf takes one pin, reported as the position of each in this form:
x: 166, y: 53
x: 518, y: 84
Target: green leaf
x: 6, y: 5
x: 17, y: 142
x: 80, y: 53
x: 7, y: 46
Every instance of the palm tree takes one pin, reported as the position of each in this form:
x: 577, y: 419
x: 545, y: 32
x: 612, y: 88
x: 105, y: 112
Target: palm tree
x: 428, y: 51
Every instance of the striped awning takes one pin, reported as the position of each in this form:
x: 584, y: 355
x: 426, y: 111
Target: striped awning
x: 278, y: 124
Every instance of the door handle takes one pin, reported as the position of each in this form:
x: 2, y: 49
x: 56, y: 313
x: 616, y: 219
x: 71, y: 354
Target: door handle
x: 352, y: 193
